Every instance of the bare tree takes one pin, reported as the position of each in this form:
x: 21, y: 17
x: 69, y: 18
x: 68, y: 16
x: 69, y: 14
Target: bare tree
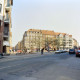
x: 57, y: 43
x: 49, y: 42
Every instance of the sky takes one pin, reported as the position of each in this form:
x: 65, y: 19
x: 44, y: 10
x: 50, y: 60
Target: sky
x: 57, y: 15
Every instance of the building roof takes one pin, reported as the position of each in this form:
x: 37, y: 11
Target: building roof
x: 45, y: 32
x: 57, y: 33
x: 48, y: 32
x: 35, y: 30
x: 70, y: 35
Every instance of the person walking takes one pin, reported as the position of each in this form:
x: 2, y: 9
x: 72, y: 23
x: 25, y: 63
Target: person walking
x: 42, y: 50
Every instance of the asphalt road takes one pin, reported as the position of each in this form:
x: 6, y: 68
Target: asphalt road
x: 42, y: 67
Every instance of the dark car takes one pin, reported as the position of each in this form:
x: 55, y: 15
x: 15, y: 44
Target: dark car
x: 1, y: 55
x: 72, y: 51
x: 77, y: 53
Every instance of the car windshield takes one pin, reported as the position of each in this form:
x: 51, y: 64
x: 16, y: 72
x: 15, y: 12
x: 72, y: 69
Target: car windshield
x: 78, y: 50
x: 71, y: 49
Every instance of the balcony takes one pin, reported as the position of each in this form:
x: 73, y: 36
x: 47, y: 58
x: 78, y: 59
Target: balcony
x: 6, y: 35
x: 70, y: 45
x: 7, y: 8
x: 6, y: 43
x: 8, y: 5
x: 6, y: 20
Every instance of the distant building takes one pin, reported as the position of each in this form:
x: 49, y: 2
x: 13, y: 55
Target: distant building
x: 5, y: 30
x: 35, y: 40
x: 65, y: 41
x: 75, y: 43
x: 18, y: 46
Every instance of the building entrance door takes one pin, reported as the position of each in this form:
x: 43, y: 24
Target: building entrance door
x: 4, y: 49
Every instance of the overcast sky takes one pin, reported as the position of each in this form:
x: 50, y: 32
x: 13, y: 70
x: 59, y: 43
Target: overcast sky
x: 57, y: 15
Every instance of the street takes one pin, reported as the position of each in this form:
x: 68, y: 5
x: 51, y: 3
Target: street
x: 41, y: 67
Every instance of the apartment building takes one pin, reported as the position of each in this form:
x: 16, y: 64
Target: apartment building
x: 1, y: 25
x: 18, y: 46
x: 35, y: 39
x: 65, y: 41
x: 75, y: 43
x: 5, y: 17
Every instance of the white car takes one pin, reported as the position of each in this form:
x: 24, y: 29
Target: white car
x: 58, y: 51
x: 29, y: 51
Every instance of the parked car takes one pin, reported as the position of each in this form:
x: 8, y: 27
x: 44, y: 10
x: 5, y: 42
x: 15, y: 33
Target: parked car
x: 71, y: 51
x: 65, y: 51
x: 77, y: 53
x: 58, y: 51
x: 1, y: 55
x: 29, y: 51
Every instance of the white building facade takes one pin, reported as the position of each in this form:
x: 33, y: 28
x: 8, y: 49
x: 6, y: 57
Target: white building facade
x: 65, y: 41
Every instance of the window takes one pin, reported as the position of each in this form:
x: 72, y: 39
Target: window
x: 5, y: 39
x: 0, y: 7
x: 8, y: 3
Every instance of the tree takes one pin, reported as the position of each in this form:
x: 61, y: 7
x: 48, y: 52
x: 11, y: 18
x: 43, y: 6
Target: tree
x: 49, y: 42
x: 57, y: 43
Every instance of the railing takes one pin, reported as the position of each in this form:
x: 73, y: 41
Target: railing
x: 6, y: 18
x: 6, y: 34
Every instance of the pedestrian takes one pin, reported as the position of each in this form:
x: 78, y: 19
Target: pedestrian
x: 42, y: 50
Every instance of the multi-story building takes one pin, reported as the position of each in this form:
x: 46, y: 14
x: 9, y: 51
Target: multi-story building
x: 64, y: 41
x: 1, y: 25
x: 5, y: 17
x: 18, y: 46
x: 75, y: 43
x: 37, y: 39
